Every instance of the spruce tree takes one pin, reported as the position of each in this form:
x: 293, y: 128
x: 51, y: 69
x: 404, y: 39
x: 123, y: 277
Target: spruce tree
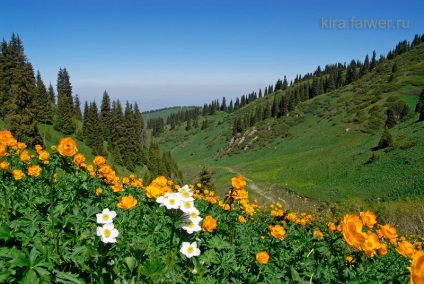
x: 44, y: 107
x: 77, y: 108
x: 51, y: 94
x: 65, y: 103
x: 106, y: 117
x: 18, y: 92
x: 118, y: 138
x: 205, y: 179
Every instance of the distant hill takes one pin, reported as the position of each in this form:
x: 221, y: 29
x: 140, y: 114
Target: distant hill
x: 324, y: 149
x: 164, y: 112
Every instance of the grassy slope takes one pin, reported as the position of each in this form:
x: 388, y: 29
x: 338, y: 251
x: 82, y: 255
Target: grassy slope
x: 320, y: 160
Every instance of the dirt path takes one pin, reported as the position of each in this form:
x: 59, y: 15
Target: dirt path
x: 252, y: 185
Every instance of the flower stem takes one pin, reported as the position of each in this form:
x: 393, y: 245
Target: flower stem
x: 52, y: 209
x: 6, y: 202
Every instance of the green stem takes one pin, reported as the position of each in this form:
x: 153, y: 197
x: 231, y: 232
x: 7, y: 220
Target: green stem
x: 6, y: 202
x: 396, y: 277
x: 171, y: 240
x: 100, y: 267
x: 52, y: 209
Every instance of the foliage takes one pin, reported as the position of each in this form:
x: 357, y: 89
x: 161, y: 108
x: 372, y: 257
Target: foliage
x: 66, y: 221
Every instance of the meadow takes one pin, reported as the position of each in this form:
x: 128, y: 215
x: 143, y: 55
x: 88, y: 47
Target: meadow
x: 67, y: 219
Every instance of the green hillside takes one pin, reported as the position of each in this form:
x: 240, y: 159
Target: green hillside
x: 325, y: 149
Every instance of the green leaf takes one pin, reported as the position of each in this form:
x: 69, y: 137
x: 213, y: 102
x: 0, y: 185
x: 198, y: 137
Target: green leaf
x: 131, y: 262
x: 4, y: 232
x: 294, y: 274
x: 62, y: 277
x: 21, y: 260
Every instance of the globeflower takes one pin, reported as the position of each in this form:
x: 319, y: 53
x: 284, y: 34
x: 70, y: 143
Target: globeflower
x: 277, y: 231
x: 190, y: 249
x: 368, y: 218
x: 238, y: 182
x: 18, y: 174
x: 417, y: 268
x: 25, y: 157
x: 4, y: 165
x: 388, y: 232
x: 209, y: 224
x: 99, y: 160
x: 106, y: 216
x: 34, y: 170
x: 79, y: 159
x: 262, y: 257
x: 352, y: 230
x: 407, y: 249
x: 67, y: 147
x: 107, y: 233
x: 127, y: 202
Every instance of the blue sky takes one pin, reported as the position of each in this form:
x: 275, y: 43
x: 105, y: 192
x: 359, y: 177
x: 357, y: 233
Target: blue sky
x: 190, y: 52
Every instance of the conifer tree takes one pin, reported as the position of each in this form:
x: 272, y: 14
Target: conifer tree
x: 118, y: 138
x: 106, y: 117
x: 65, y: 103
x: 205, y: 179
x: 44, y: 107
x: 18, y: 92
x: 77, y: 108
x: 385, y: 140
x: 51, y: 94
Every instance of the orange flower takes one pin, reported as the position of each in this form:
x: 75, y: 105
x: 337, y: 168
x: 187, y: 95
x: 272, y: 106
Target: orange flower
x: 241, y: 219
x: 21, y: 145
x: 25, y: 157
x: 277, y: 231
x: 99, y: 191
x: 262, y: 257
x: 34, y: 170
x: 368, y: 218
x: 79, y: 159
x: 4, y: 165
x: 117, y: 187
x: 292, y: 216
x: 382, y: 251
x: 18, y: 174
x: 38, y: 148
x: 249, y: 209
x: 319, y: 234
x: 3, y: 150
x: 352, y: 230
x: 417, y: 268
x: 127, y: 202
x: 371, y: 243
x: 209, y: 224
x: 67, y: 147
x: 238, y: 182
x: 388, y: 232
x: 331, y: 226
x: 407, y: 249
x: 99, y: 160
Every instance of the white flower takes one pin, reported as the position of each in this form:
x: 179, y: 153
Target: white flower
x: 190, y: 250
x: 186, y: 193
x: 191, y: 227
x: 172, y: 200
x: 107, y: 233
x: 193, y: 216
x: 160, y: 200
x: 106, y: 216
x: 187, y: 206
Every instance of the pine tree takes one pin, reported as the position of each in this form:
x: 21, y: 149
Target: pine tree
x: 18, y: 92
x: 205, y: 179
x: 118, y: 138
x: 77, y: 108
x: 52, y: 95
x: 373, y: 61
x: 420, y: 106
x: 44, y: 107
x: 106, y: 117
x: 385, y: 140
x: 65, y: 103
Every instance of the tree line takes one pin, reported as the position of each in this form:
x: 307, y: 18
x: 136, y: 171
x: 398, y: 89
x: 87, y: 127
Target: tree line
x: 112, y: 127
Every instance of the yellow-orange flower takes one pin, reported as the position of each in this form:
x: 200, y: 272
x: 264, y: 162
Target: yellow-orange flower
x: 34, y: 170
x: 407, y: 249
x: 127, y: 202
x: 38, y: 148
x: 292, y: 216
x: 99, y: 191
x: 249, y: 209
x: 79, y: 159
x: 209, y: 224
x: 117, y: 187
x: 262, y: 257
x: 18, y: 174
x: 99, y: 160
x: 352, y: 230
x: 238, y: 182
x: 331, y: 226
x: 21, y: 145
x: 24, y: 156
x: 388, y: 232
x: 319, y: 234
x: 4, y: 166
x: 67, y: 147
x: 417, y: 268
x: 241, y: 219
x: 277, y: 231
x: 371, y: 243
x: 382, y: 251
x: 3, y: 150
x: 368, y: 218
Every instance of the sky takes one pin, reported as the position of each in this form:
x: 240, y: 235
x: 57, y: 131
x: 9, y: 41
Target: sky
x: 164, y: 53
